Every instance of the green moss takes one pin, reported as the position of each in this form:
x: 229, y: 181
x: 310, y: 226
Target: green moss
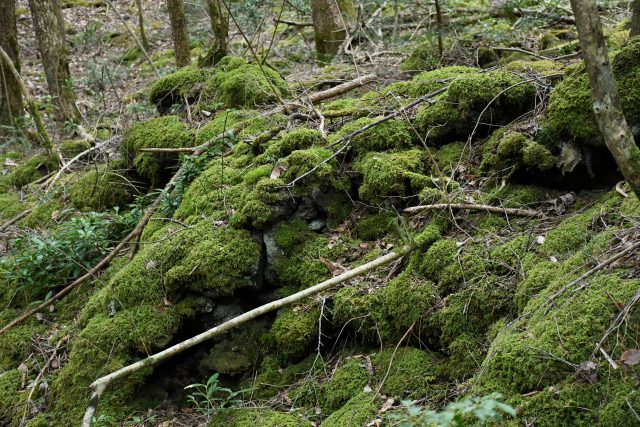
x: 465, y: 355
x: 163, y: 132
x: 514, y: 196
x: 176, y: 87
x: 348, y: 380
x: 271, y: 379
x: 253, y: 176
x: 506, y: 257
x: 101, y: 189
x: 264, y: 205
x: 70, y: 149
x: 234, y: 354
x: 395, y: 174
x: 249, y: 417
x: 570, y: 235
x: 412, y: 371
x: 246, y: 123
x: 441, y: 121
x: 298, y: 139
x: 295, y: 332
x: 10, y: 205
x: 388, y: 135
x: 373, y: 226
x: 430, y: 81
x: 424, y: 56
x: 509, y: 150
x: 433, y: 264
x: 537, y: 279
x: 16, y: 344
x: 543, y: 68
x: 43, y: 213
x: 357, y: 412
x: 449, y: 156
x: 10, y: 385
x: 239, y: 84
x: 341, y: 107
x: 30, y: 170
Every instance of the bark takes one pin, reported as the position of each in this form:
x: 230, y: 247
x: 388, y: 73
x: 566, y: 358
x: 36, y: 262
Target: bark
x: 49, y: 28
x: 635, y: 19
x: 606, y: 104
x: 220, y: 27
x: 330, y: 20
x: 143, y: 33
x: 179, y: 32
x: 11, y: 110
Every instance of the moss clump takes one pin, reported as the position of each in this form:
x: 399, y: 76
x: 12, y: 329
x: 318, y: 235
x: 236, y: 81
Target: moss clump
x: 245, y: 123
x: 249, y: 417
x: 163, y: 132
x: 412, y: 372
x: 43, y: 213
x: 425, y: 83
x: 177, y: 87
x: 571, y: 235
x: 271, y: 379
x: 436, y: 263
x: 501, y: 95
x: 509, y: 150
x: 570, y: 112
x: 10, y: 205
x: 449, y: 156
x: 348, y: 380
x: 100, y: 189
x: 236, y: 83
x: 424, y: 56
x: 28, y: 171
x: 395, y: 174
x: 295, y: 331
x: 10, y: 384
x: 234, y: 354
x: 70, y: 149
x: 357, y: 412
x: 267, y: 203
x: 298, y: 139
x: 373, y: 226
x: 392, y: 134
x: 16, y: 343
x: 543, y: 68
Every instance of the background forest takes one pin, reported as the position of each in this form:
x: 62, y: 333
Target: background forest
x: 335, y: 213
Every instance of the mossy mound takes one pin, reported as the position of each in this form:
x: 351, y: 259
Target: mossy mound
x: 507, y: 151
x: 179, y: 87
x: 10, y: 205
x: 570, y: 113
x: 249, y: 417
x: 500, y: 95
x: 357, y: 412
x: 28, y: 171
x: 295, y: 332
x: 163, y: 132
x: 236, y: 83
x: 101, y: 189
x: 70, y: 149
x: 391, y: 134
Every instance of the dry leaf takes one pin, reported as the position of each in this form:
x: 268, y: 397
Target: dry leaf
x: 620, y: 190
x: 9, y: 162
x: 364, y: 245
x: 387, y: 405
x: 277, y: 171
x: 630, y: 357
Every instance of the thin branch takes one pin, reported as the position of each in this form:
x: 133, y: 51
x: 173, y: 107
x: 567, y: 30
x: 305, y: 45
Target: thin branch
x: 474, y: 207
x: 517, y: 49
x: 100, y: 385
x: 15, y: 219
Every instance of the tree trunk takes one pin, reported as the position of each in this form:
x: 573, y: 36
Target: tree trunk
x: 635, y: 19
x: 330, y: 21
x: 49, y: 28
x: 179, y: 31
x: 220, y: 27
x: 143, y: 33
x: 606, y: 104
x: 11, y: 111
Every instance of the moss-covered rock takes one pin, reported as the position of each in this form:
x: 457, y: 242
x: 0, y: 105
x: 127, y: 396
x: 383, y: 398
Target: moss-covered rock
x: 410, y: 372
x: 10, y: 386
x: 391, y: 134
x: 347, y: 381
x: 298, y: 139
x: 507, y: 151
x: 373, y: 226
x: 29, y: 170
x: 71, y: 148
x: 236, y: 83
x: 163, y: 132
x: 101, y: 188
x: 178, y: 87
x: 430, y: 81
x: 357, y: 412
x: 10, y: 205
x: 249, y: 417
x: 295, y: 331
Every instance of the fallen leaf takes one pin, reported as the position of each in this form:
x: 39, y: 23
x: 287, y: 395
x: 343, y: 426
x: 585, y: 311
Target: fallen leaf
x: 277, y: 171
x: 335, y: 268
x: 630, y: 357
x: 620, y: 190
x: 540, y: 240
x: 387, y: 405
x: 9, y: 162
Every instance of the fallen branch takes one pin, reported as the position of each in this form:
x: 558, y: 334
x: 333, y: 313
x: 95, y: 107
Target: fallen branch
x: 15, y: 219
x: 99, y: 385
x: 517, y: 49
x: 474, y: 207
x: 341, y: 89
x: 134, y: 234
x: 72, y: 161
x: 168, y: 150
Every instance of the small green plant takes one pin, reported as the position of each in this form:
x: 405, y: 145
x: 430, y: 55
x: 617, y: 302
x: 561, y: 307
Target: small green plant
x: 473, y: 411
x: 210, y: 397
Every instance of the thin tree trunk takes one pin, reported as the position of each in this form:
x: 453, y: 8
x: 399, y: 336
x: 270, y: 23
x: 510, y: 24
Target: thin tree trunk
x: 330, y: 18
x: 49, y: 29
x: 143, y: 33
x: 606, y: 104
x: 179, y: 32
x: 635, y: 19
x: 220, y: 27
x: 11, y: 110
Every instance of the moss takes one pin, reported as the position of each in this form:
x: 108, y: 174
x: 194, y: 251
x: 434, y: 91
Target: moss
x: 348, y: 380
x: 486, y: 57
x: 234, y: 354
x: 465, y: 355
x: 16, y: 344
x: 101, y: 189
x: 300, y: 162
x: 509, y: 150
x: 70, y: 149
x: 264, y: 205
x: 391, y: 134
x: 430, y: 81
x: 570, y: 235
x: 341, y: 107
x: 237, y: 84
x: 537, y: 279
x: 506, y: 257
x: 30, y: 170
x: 249, y: 417
x: 412, y: 371
x: 424, y: 56
x: 295, y: 332
x: 449, y: 156
x: 10, y: 385
x: 298, y: 139
x: 528, y: 355
x: 357, y: 412
x: 271, y: 379
x: 163, y: 132
x: 176, y: 87
x: 543, y: 68
x: 441, y: 121
x: 253, y: 176
x: 395, y: 174
x: 43, y: 213
x: 514, y: 196
x: 10, y: 205
x: 246, y: 123
x: 433, y: 264
x: 373, y: 226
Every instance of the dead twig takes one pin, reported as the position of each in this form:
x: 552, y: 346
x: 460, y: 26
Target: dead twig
x: 15, y: 219
x: 470, y: 206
